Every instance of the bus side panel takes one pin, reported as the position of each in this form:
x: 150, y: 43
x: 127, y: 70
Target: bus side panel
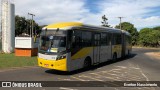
x: 128, y: 45
x: 117, y: 49
x: 77, y: 60
x: 117, y: 44
x: 68, y: 58
x: 105, y: 53
x: 123, y: 45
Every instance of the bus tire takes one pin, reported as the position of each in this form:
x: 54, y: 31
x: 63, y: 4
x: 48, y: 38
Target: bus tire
x: 129, y: 53
x: 114, y: 58
x: 87, y: 62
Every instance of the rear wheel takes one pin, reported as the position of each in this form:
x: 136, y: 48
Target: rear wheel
x: 129, y: 53
x: 87, y: 62
x: 114, y: 58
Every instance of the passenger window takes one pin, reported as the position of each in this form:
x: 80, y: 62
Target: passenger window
x: 104, y: 39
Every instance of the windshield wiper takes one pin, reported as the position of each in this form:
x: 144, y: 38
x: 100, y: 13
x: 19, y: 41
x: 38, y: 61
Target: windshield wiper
x: 52, y: 41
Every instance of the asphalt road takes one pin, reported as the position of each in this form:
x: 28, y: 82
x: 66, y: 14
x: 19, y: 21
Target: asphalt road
x: 137, y: 67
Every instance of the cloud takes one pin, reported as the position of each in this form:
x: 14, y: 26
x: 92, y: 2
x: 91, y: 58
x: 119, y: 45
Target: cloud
x: 133, y: 11
x: 50, y: 11
x: 146, y: 22
x: 138, y: 12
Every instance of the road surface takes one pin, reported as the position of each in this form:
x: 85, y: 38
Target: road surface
x: 137, y: 67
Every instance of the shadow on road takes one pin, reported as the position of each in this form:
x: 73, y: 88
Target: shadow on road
x: 51, y: 71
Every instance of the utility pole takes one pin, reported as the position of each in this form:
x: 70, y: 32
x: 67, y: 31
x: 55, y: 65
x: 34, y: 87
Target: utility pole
x: 31, y: 32
x: 120, y: 21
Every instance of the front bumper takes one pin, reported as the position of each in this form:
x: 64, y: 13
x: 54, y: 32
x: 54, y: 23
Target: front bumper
x: 53, y: 64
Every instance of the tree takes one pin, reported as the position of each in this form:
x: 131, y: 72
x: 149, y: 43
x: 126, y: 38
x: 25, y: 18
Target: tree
x: 131, y: 29
x: 36, y: 27
x: 20, y: 25
x: 149, y: 37
x: 23, y: 25
x: 104, y: 21
x: 38, y: 31
x: 157, y: 28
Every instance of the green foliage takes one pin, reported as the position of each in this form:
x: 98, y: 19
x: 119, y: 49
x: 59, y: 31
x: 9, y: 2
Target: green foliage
x: 104, y: 21
x: 20, y: 25
x: 131, y: 29
x: 157, y: 28
x: 23, y: 25
x: 149, y: 37
x: 10, y: 60
x: 0, y: 45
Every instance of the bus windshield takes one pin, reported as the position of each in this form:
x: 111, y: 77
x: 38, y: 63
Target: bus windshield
x: 53, y: 43
x: 58, y: 41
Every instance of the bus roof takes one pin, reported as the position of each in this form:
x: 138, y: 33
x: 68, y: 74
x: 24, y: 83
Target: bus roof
x: 72, y: 25
x: 64, y: 25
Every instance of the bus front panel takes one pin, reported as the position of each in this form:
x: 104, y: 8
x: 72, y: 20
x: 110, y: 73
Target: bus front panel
x: 52, y: 64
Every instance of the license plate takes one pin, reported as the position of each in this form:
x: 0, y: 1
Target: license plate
x: 46, y: 65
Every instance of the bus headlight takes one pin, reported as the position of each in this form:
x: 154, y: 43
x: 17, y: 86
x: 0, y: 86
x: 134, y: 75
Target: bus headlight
x: 61, y: 57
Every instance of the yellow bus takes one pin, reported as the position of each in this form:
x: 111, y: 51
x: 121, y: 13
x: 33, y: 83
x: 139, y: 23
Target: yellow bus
x: 70, y: 46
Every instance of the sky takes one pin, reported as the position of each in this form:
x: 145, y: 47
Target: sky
x: 141, y: 13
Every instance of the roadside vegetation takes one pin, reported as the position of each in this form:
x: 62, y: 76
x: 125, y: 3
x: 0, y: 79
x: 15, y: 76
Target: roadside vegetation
x: 23, y: 26
x: 0, y: 45
x: 146, y: 37
x: 10, y: 60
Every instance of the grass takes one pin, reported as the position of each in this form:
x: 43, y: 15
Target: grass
x: 0, y: 45
x: 10, y: 60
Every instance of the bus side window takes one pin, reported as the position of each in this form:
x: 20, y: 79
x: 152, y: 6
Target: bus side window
x: 69, y: 39
x: 104, y: 40
x: 86, y: 39
x: 118, y: 39
x: 128, y: 39
x: 109, y: 35
x: 77, y: 39
x: 113, y: 39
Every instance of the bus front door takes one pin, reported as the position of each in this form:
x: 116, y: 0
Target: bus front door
x: 96, y: 53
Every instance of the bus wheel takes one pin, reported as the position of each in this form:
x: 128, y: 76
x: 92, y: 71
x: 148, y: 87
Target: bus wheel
x: 114, y: 57
x: 87, y: 62
x: 129, y: 53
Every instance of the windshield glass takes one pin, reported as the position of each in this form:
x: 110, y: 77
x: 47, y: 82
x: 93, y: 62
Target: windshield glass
x: 53, y: 43
x: 58, y: 41
x: 44, y: 43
